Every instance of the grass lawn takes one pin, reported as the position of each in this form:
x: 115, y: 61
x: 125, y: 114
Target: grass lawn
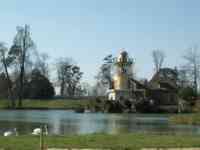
x: 190, y: 119
x: 116, y: 142
x: 4, y: 104
x: 49, y: 104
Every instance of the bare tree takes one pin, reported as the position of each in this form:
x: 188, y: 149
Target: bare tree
x: 69, y: 76
x: 62, y: 67
x: 192, y: 66
x: 184, y: 79
x: 158, y: 59
x: 5, y: 62
x: 98, y: 89
x: 42, y: 64
x: 21, y: 45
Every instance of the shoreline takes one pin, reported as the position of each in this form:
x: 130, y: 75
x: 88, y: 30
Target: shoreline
x: 78, y: 105
x: 185, y: 119
x: 51, y: 104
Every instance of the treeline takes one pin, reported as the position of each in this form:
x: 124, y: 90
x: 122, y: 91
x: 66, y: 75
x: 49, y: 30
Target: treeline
x: 25, y: 73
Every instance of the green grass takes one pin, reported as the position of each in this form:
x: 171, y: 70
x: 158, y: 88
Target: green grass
x: 115, y: 142
x: 50, y: 104
x: 56, y: 104
x: 196, y: 107
x: 4, y: 104
x: 190, y: 119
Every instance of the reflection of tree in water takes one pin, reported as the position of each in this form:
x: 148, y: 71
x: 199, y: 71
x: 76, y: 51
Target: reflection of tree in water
x: 154, y: 125
x: 132, y: 123
x: 71, y: 127
x: 111, y: 123
x: 143, y: 124
x: 120, y: 124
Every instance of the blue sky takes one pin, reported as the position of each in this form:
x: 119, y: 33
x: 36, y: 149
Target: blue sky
x: 88, y: 30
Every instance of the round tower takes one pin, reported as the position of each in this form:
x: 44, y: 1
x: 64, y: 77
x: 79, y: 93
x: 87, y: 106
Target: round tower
x: 123, y: 67
x: 122, y: 73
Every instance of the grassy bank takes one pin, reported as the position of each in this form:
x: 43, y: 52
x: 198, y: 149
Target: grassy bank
x: 50, y: 104
x: 190, y: 119
x: 116, y: 142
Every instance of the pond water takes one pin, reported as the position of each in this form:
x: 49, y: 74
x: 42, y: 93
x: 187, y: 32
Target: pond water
x: 68, y: 122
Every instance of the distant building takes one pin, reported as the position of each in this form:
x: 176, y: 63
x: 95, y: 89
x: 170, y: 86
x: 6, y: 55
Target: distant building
x: 163, y: 87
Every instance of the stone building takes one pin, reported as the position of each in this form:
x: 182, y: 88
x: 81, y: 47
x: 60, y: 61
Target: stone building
x: 163, y: 90
x: 163, y: 87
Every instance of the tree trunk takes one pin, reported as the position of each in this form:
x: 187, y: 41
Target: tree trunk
x: 195, y: 82
x: 73, y: 90
x: 21, y: 88
x: 70, y: 90
x: 10, y: 90
x: 62, y: 88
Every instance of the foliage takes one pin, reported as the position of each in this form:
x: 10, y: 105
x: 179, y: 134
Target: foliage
x: 35, y: 85
x: 104, y: 75
x: 187, y: 93
x: 22, y: 44
x: 69, y: 76
x: 99, y: 89
x: 40, y: 86
x: 21, y: 47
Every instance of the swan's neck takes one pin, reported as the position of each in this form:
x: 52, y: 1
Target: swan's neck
x: 16, y: 133
x: 46, y: 130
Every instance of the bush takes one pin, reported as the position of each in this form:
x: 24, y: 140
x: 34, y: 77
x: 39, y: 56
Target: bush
x: 187, y: 94
x: 3, y: 86
x: 40, y: 87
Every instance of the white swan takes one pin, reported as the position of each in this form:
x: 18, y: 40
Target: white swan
x: 38, y: 131
x: 46, y: 130
x: 10, y: 133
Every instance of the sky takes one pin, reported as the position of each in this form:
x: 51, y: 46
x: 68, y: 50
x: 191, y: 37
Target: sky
x: 88, y: 30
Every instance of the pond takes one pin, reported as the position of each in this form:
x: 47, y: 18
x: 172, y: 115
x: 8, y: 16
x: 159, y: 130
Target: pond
x: 68, y: 122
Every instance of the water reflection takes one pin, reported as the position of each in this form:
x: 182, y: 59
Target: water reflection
x: 68, y: 122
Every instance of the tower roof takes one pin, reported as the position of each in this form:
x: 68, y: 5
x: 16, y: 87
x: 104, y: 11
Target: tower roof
x: 123, y: 56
